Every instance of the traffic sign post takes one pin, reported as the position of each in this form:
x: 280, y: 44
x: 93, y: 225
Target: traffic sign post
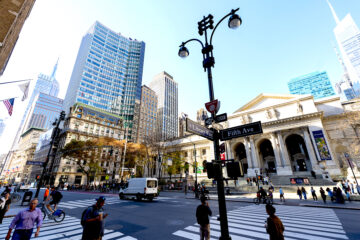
x: 347, y: 156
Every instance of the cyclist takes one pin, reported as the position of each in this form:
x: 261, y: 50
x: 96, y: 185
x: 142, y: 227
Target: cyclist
x: 261, y: 194
x: 55, y: 197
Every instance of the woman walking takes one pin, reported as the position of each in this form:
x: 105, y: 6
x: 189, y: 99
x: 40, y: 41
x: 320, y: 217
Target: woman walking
x: 304, y: 192
x: 323, y: 195
x: 4, y: 205
x: 313, y: 193
x: 299, y: 193
x: 274, y: 226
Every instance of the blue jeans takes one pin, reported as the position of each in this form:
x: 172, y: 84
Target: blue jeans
x: 22, y: 234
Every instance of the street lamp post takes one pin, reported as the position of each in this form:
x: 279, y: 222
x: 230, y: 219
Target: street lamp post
x: 208, y: 62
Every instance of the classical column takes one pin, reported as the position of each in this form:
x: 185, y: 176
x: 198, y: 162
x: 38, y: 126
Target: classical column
x: 254, y: 154
x: 310, y: 149
x: 283, y: 150
x: 276, y: 151
x: 248, y: 153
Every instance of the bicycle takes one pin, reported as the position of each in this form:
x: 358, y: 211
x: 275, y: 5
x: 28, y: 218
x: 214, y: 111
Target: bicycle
x: 265, y: 200
x: 57, y: 216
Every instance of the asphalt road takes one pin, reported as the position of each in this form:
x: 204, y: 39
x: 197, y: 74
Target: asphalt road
x: 172, y: 216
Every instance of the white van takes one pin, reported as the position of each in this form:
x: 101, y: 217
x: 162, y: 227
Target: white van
x: 140, y: 188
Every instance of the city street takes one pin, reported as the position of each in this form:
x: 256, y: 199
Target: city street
x: 172, y: 216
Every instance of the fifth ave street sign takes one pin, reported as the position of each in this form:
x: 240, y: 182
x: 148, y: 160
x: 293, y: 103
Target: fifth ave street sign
x: 198, y: 129
x: 241, y: 131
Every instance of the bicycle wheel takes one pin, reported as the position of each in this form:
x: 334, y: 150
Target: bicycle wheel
x: 60, y: 217
x: 256, y: 201
x: 15, y: 197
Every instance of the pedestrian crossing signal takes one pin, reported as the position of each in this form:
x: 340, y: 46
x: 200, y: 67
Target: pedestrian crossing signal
x: 234, y: 169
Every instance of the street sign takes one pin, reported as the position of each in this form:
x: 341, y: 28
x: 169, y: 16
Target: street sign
x: 34, y: 163
x: 198, y: 129
x: 208, y: 121
x: 241, y: 131
x: 221, y: 118
x: 213, y: 106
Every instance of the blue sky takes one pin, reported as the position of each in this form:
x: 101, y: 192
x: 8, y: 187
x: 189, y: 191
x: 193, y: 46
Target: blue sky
x: 278, y: 40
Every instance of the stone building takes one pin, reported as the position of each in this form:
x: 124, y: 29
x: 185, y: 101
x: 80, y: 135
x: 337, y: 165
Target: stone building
x: 300, y: 135
x: 86, y: 123
x: 17, y: 171
x: 12, y: 17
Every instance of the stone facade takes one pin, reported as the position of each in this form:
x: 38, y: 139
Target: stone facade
x: 297, y: 136
x: 12, y: 17
x: 17, y: 171
x: 87, y: 123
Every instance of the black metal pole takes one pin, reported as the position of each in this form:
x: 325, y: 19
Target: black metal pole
x: 220, y: 182
x: 62, y: 116
x: 352, y: 170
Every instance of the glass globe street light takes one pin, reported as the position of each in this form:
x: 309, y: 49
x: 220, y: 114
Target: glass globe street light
x: 183, y: 52
x: 234, y: 21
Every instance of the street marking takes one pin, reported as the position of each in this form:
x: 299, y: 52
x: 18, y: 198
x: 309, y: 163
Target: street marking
x: 247, y: 223
x: 86, y: 203
x: 69, y: 229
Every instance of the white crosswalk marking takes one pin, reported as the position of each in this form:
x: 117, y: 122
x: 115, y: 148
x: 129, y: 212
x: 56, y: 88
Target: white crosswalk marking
x: 247, y: 223
x: 87, y: 202
x: 69, y: 229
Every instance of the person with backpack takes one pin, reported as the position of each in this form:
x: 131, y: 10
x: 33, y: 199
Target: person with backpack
x: 92, y: 220
x: 55, y: 197
x: 4, y: 205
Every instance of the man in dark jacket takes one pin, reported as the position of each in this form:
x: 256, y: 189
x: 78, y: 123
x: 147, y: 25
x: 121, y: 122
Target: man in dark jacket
x: 202, y: 215
x: 93, y: 221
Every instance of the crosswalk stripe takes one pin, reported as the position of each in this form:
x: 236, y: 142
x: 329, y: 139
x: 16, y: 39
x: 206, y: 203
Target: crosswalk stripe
x: 300, y: 223
x: 86, y: 202
x: 69, y: 229
x: 288, y: 223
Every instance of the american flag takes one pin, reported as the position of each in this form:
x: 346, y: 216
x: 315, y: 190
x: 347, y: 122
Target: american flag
x: 9, y: 103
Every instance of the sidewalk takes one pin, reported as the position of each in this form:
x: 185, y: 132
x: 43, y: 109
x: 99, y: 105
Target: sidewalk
x: 290, y: 200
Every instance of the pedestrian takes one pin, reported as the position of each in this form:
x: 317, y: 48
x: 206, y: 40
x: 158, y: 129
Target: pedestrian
x: 299, y: 193
x: 322, y: 193
x: 347, y: 193
x: 7, y: 190
x: 24, y: 222
x: 282, y: 198
x: 4, y: 205
x: 352, y: 188
x: 273, y: 225
x: 203, y: 212
x: 93, y: 219
x: 313, y: 193
x: 339, y: 196
x: 46, y: 194
x: 304, y: 192
x: 358, y: 188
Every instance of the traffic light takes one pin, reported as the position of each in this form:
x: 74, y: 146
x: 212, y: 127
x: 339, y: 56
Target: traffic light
x: 234, y: 169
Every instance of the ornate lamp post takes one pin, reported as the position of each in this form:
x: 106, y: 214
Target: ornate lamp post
x: 208, y: 62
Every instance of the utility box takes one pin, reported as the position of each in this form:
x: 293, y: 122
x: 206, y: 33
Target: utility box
x: 27, y: 197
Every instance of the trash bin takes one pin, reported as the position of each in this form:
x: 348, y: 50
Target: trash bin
x: 27, y: 197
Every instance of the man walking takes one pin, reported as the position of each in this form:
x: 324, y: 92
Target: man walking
x: 203, y: 212
x: 313, y: 193
x: 24, y: 222
x: 299, y: 193
x: 92, y: 221
x: 282, y: 198
x: 304, y: 192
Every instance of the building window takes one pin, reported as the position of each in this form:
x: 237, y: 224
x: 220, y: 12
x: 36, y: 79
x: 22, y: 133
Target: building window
x: 203, y: 151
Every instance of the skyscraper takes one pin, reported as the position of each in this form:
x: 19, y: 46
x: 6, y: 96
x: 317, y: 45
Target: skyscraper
x: 148, y: 111
x: 167, y: 113
x: 108, y: 74
x: 347, y: 35
x: 45, y: 84
x: 317, y: 84
x: 43, y: 112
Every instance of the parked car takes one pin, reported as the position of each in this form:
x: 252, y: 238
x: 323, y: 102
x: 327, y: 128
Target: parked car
x: 140, y: 188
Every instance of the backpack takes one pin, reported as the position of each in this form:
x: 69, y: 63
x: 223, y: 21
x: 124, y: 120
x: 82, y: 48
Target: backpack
x: 83, y: 221
x: 57, y: 196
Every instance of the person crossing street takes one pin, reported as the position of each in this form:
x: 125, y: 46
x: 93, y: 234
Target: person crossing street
x: 93, y: 220
x: 203, y: 212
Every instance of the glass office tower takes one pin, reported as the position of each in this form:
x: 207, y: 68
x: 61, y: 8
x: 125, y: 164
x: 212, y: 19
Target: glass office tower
x: 108, y: 74
x: 317, y: 84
